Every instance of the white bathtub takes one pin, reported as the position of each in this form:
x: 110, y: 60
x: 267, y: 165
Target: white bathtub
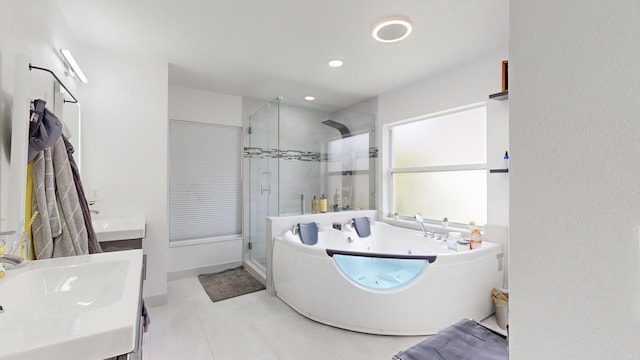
x: 366, y: 292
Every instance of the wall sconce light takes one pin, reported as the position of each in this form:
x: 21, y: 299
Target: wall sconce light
x: 73, y: 65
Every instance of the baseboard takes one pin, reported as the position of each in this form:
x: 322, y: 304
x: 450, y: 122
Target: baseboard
x: 181, y: 274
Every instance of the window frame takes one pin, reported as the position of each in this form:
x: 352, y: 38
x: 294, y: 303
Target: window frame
x: 390, y: 171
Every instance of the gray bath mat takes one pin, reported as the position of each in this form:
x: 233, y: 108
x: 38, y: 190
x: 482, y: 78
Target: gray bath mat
x: 229, y: 284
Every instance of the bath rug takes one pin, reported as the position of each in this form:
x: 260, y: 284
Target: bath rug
x: 229, y: 284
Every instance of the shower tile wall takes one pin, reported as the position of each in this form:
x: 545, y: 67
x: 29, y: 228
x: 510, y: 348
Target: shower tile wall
x: 303, y: 153
x: 302, y: 130
x: 362, y: 185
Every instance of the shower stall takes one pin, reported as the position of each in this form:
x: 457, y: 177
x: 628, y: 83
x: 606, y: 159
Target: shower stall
x: 293, y: 153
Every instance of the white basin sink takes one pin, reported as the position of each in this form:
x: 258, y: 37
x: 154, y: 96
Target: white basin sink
x: 119, y: 228
x: 78, y: 307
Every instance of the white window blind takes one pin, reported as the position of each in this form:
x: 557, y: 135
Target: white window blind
x: 205, y: 186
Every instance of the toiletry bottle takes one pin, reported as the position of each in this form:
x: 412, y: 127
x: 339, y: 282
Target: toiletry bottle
x: 302, y: 204
x: 323, y: 204
x: 314, y: 205
x: 475, y: 239
x: 336, y: 201
x: 506, y: 160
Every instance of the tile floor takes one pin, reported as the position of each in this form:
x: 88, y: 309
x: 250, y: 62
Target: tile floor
x: 253, y: 327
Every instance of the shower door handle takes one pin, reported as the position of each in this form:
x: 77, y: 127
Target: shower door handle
x: 265, y: 188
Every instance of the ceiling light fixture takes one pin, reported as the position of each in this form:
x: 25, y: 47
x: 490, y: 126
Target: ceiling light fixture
x: 392, y: 29
x: 336, y: 63
x: 73, y: 65
x: 309, y: 98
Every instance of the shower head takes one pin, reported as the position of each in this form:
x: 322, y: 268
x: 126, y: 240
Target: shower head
x: 344, y: 131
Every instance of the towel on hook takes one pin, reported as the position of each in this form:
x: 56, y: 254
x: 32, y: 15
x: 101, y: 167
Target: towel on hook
x: 44, y: 129
x: 72, y: 240
x: 93, y: 244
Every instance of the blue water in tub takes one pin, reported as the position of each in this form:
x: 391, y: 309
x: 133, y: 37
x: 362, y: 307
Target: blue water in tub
x: 379, y: 273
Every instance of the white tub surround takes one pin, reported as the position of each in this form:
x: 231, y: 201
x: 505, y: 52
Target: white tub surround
x: 277, y: 225
x: 394, y: 298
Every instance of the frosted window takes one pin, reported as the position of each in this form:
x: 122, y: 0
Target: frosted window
x: 205, y: 188
x: 461, y: 196
x: 439, y: 167
x: 452, y: 139
x: 350, y: 153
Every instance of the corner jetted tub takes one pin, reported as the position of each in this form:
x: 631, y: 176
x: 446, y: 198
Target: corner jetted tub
x: 394, y: 281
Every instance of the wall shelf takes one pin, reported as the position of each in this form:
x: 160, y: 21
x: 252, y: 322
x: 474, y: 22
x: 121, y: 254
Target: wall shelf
x: 504, y: 95
x: 496, y: 171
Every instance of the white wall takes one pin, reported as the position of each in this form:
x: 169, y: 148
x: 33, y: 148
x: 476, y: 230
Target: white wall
x: 206, y: 107
x: 38, y: 30
x: 575, y: 135
x: 191, y: 104
x: 124, y: 119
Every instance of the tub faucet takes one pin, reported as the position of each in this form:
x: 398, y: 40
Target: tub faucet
x: 93, y: 203
x: 442, y: 237
x: 420, y: 220
x: 11, y: 259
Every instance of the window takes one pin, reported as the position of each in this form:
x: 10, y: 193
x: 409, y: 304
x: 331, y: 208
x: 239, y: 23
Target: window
x: 348, y: 170
x: 438, y: 166
x: 204, y: 185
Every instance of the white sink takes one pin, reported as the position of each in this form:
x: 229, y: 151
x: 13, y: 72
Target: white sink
x: 78, y: 307
x: 119, y: 228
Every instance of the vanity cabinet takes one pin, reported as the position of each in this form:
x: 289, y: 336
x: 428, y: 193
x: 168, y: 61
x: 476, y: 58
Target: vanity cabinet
x: 126, y: 244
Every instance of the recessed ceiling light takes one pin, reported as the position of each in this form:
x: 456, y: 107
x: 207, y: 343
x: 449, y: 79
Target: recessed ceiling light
x: 392, y: 29
x: 309, y: 98
x: 336, y: 63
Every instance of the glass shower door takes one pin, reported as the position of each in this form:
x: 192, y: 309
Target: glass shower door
x: 262, y: 155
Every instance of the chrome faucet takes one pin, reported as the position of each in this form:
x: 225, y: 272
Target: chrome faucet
x: 93, y: 203
x: 420, y: 220
x: 11, y: 259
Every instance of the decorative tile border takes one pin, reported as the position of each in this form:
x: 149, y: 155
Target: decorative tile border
x: 252, y: 152
x: 259, y: 153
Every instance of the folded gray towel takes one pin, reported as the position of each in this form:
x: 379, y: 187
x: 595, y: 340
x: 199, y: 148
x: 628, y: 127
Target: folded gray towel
x: 464, y: 340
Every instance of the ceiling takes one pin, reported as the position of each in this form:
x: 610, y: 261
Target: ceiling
x: 267, y: 48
